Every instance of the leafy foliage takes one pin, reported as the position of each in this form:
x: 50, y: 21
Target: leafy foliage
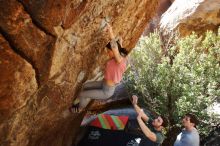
x: 182, y: 78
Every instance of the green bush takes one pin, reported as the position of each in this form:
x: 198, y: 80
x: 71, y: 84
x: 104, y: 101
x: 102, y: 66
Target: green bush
x: 181, y: 78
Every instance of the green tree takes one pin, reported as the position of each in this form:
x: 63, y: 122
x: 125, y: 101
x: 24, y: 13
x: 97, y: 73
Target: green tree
x: 182, y: 78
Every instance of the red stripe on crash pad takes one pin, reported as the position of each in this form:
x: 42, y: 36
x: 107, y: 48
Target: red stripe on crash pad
x: 110, y: 122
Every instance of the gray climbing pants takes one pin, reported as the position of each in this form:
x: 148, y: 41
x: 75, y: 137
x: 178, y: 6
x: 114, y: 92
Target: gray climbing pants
x: 95, y: 90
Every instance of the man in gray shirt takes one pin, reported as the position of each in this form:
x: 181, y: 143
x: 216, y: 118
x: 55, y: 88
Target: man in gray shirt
x: 189, y: 135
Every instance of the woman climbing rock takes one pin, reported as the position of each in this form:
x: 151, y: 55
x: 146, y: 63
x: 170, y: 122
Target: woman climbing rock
x: 114, y: 69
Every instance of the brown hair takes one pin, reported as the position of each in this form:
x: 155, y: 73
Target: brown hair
x: 165, y: 121
x: 193, y: 118
x: 122, y: 51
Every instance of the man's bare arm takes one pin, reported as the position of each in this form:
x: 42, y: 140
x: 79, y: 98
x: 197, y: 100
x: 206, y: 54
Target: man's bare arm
x: 147, y: 132
x: 138, y: 109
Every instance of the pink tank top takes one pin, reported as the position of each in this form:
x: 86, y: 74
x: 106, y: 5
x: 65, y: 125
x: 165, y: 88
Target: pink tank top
x: 114, y: 70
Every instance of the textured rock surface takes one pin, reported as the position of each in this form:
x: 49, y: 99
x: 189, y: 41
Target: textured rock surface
x: 48, y: 48
x: 17, y: 84
x: 154, y: 23
x: 191, y: 15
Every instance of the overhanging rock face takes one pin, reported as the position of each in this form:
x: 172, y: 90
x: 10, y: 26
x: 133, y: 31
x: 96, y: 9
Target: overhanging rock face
x: 48, y: 48
x: 154, y: 24
x: 191, y: 15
